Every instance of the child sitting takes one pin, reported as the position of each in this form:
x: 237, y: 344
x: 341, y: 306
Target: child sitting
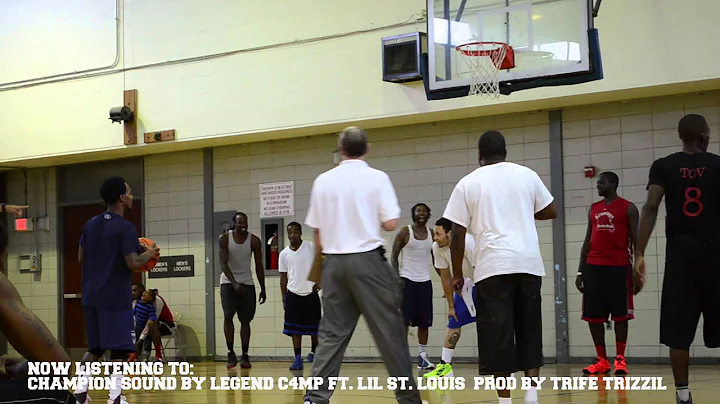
x: 144, y: 311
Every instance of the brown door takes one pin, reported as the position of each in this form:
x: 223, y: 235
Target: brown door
x: 74, y: 218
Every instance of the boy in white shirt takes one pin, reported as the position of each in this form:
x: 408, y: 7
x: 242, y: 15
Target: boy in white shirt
x: 300, y: 297
x: 461, y: 309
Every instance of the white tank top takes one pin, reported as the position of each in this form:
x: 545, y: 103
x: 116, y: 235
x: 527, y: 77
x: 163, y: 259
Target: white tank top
x: 239, y: 261
x: 416, y: 258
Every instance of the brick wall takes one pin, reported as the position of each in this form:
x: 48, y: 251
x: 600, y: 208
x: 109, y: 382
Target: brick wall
x: 174, y: 219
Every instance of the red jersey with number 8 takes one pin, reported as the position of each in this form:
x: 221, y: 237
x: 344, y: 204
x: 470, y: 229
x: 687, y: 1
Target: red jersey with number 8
x: 692, y: 197
x: 610, y: 233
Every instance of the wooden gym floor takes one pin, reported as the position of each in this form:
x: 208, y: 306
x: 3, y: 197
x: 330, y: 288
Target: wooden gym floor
x: 704, y: 385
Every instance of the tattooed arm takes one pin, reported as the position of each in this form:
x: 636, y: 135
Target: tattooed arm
x: 25, y: 332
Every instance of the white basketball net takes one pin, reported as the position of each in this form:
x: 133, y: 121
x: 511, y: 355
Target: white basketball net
x: 483, y: 60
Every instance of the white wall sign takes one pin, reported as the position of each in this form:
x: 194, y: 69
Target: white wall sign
x: 277, y: 199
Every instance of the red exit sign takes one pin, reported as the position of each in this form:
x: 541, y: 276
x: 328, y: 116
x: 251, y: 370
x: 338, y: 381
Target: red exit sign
x: 21, y: 224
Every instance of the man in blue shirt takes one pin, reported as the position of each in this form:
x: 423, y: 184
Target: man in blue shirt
x: 109, y: 252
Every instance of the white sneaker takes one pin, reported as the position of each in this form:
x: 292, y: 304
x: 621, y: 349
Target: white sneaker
x: 118, y: 400
x: 424, y: 362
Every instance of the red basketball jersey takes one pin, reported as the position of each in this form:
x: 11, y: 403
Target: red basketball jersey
x: 610, y: 238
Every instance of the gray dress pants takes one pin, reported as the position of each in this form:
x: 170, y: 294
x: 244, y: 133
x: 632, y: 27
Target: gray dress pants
x: 355, y: 284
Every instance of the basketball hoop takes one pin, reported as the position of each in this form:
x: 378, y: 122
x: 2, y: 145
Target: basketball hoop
x: 484, y: 60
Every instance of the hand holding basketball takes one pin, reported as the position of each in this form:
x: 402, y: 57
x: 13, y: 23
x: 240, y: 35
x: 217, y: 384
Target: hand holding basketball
x: 149, y: 245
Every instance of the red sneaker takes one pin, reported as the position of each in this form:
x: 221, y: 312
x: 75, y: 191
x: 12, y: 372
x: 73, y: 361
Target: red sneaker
x: 601, y: 366
x: 620, y: 366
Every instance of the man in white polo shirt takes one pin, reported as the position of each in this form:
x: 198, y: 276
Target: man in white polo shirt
x: 499, y: 203
x: 348, y: 207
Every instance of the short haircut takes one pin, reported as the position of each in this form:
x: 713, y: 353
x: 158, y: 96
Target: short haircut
x: 238, y: 214
x: 140, y: 285
x: 4, y: 238
x: 445, y: 223
x: 692, y: 127
x: 492, y: 144
x: 112, y: 189
x: 295, y: 224
x: 611, y: 177
x: 354, y: 142
x: 417, y: 205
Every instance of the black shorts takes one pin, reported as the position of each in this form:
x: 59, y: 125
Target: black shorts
x: 509, y: 323
x: 243, y: 304
x: 17, y: 391
x: 690, y: 288
x: 417, y: 303
x: 607, y: 293
x: 302, y: 314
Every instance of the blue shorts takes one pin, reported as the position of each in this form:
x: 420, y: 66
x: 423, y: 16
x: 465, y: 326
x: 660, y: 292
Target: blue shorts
x: 462, y: 313
x: 109, y: 330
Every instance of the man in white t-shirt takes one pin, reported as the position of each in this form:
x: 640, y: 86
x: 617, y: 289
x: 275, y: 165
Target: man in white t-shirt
x: 461, y: 307
x: 499, y: 203
x: 349, y: 205
x: 300, y: 297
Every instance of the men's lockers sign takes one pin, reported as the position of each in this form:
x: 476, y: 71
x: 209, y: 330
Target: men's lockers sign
x: 174, y: 267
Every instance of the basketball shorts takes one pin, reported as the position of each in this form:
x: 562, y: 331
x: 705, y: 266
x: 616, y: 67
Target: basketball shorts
x: 690, y: 289
x: 509, y: 323
x: 109, y: 330
x: 17, y: 391
x: 417, y: 303
x: 464, y: 307
x: 243, y: 304
x: 607, y: 293
x: 302, y: 314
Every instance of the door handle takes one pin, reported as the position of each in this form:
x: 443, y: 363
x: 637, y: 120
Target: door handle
x: 72, y: 295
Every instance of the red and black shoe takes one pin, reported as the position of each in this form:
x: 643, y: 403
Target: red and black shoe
x: 620, y: 366
x: 245, y: 362
x: 600, y: 367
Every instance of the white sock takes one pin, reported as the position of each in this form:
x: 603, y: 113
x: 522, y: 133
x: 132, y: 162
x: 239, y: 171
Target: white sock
x: 505, y: 400
x: 684, y: 393
x: 116, y: 390
x: 531, y: 395
x: 422, y: 348
x: 447, y: 355
x: 82, y: 381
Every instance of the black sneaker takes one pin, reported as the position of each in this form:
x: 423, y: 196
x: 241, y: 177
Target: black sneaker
x: 245, y: 362
x: 679, y: 401
x: 82, y: 398
x: 232, y: 360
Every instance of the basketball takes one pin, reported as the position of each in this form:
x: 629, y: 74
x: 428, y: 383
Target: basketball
x: 146, y: 242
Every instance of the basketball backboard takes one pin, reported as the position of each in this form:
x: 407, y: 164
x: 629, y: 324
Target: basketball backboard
x: 554, y: 41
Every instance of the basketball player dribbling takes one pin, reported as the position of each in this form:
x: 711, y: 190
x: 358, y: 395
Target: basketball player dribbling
x: 604, y: 277
x: 461, y: 307
x: 109, y: 251
x: 415, y: 244
x: 690, y: 182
